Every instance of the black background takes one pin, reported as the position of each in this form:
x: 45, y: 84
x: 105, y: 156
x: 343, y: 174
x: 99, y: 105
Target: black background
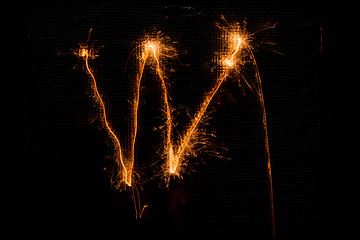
x: 58, y: 152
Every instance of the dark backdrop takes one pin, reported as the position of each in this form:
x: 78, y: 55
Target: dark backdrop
x: 58, y: 152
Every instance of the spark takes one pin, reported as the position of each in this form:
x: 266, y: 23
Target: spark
x: 86, y: 51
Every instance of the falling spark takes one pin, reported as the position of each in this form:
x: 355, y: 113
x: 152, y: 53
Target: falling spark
x: 85, y: 51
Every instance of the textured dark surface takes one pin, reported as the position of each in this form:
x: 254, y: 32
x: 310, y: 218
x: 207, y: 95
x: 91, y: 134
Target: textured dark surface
x: 57, y: 153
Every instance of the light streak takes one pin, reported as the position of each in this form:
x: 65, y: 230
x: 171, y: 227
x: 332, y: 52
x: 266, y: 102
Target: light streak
x: 239, y: 53
x: 156, y: 48
x: 85, y: 51
x: 177, y: 158
x: 266, y: 138
x: 135, y: 112
x: 153, y: 47
x: 249, y: 58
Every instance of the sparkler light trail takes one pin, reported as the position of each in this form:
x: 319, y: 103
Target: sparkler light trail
x: 248, y: 57
x: 135, y: 111
x: 85, y: 51
x: 266, y: 139
x: 236, y: 55
x: 153, y: 48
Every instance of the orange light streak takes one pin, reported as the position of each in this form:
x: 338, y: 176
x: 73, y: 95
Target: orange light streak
x: 238, y: 52
x: 150, y: 47
x: 266, y: 138
x: 85, y: 52
x: 135, y: 113
x: 118, y: 153
x: 177, y: 158
x: 258, y: 89
x: 169, y: 122
x: 154, y: 47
